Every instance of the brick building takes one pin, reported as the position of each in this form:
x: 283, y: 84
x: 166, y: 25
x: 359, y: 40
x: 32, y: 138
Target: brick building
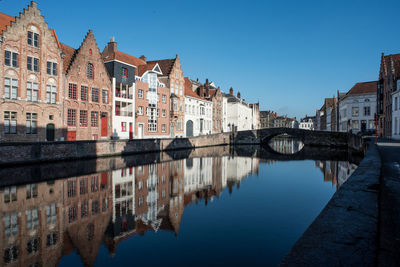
x: 172, y: 77
x: 152, y: 102
x: 88, y: 99
x: 31, y: 78
x: 389, y: 76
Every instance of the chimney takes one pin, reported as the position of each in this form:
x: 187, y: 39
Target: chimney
x: 231, y: 91
x: 238, y: 95
x: 142, y: 57
x: 206, y: 82
x: 112, y: 46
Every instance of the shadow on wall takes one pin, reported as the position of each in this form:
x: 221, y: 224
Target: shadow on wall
x: 11, y: 131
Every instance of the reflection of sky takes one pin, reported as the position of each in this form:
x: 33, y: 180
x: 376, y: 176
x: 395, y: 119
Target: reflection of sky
x: 258, y: 223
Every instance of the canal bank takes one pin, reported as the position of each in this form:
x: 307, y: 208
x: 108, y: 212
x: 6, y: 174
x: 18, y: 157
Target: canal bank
x: 346, y: 231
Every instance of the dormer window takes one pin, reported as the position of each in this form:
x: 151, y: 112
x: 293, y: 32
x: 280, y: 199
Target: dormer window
x: 89, y: 71
x: 33, y: 39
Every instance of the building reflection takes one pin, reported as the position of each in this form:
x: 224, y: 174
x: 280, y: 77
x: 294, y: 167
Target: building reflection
x: 42, y: 222
x: 286, y: 145
x: 336, y: 172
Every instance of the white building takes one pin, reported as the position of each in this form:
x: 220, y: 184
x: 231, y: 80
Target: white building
x: 198, y: 114
x: 198, y: 174
x: 396, y: 113
x: 307, y: 123
x: 224, y: 113
x: 357, y: 108
x: 123, y: 107
x: 239, y: 114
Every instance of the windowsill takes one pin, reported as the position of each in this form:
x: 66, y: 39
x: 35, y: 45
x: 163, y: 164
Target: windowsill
x: 11, y: 66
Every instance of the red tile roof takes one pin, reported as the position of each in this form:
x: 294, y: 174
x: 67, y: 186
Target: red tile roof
x: 5, y: 20
x: 121, y: 56
x: 166, y: 65
x: 69, y: 53
x: 143, y: 68
x: 188, y: 90
x: 364, y: 88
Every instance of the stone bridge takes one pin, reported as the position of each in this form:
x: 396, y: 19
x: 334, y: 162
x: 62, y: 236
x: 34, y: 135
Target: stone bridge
x: 309, y: 138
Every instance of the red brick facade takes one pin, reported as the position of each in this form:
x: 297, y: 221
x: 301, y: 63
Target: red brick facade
x: 88, y: 99
x: 31, y: 79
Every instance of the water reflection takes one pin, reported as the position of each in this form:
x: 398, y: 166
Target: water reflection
x: 42, y: 222
x: 285, y: 144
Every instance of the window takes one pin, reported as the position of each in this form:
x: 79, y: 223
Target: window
x: 32, y: 91
x: 95, y: 95
x: 10, y: 122
x: 164, y: 98
x: 158, y: 113
x: 367, y: 111
x: 94, y: 184
x: 31, y: 123
x: 32, y: 219
x: 84, y: 93
x: 33, y: 245
x: 51, y: 213
x: 104, y: 96
x: 72, y: 214
x: 105, y: 205
x: 123, y: 126
x: 355, y: 111
x: 11, y: 59
x: 94, y: 119
x: 140, y: 93
x: 52, y: 237
x: 32, y: 64
x: 83, y: 118
x: 11, y: 224
x: 84, y: 209
x: 89, y: 71
x: 95, y: 207
x: 11, y: 254
x: 51, y: 94
x: 124, y: 72
x: 164, y: 113
x: 51, y: 68
x: 355, y: 125
x: 140, y: 110
x: 71, y: 117
x: 10, y: 194
x: 31, y: 191
x: 33, y: 39
x: 395, y: 103
x: 152, y: 126
x: 163, y: 128
x: 72, y: 91
x: 10, y: 88
x: 71, y: 188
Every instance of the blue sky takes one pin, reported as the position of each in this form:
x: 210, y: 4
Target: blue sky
x: 288, y: 55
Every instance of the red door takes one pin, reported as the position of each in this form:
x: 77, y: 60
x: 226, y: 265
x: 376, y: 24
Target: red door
x: 71, y: 135
x: 104, y: 124
x: 130, y: 131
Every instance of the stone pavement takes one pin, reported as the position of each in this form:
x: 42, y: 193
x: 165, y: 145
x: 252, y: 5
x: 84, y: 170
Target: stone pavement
x: 389, y: 222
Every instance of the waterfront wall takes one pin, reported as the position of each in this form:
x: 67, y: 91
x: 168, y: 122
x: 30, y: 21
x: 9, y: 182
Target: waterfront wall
x: 345, y: 232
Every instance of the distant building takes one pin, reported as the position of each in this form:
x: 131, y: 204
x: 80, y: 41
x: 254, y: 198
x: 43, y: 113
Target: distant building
x: 326, y: 115
x: 285, y: 122
x: 239, y: 113
x: 267, y: 119
x: 307, y: 123
x: 396, y: 114
x: 357, y: 108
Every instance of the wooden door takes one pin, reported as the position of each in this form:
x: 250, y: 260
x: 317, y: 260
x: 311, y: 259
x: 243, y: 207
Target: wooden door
x: 71, y: 135
x: 104, y: 125
x: 130, y: 130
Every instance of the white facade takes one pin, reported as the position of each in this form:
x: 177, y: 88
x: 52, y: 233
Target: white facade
x: 225, y: 114
x: 396, y: 115
x: 307, y: 124
x: 198, y: 174
x: 198, y: 116
x: 123, y: 107
x: 239, y: 115
x: 123, y: 192
x: 356, y: 113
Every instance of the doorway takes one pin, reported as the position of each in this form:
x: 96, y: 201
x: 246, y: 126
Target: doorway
x: 189, y: 128
x: 50, y: 132
x: 104, y: 125
x: 140, y: 130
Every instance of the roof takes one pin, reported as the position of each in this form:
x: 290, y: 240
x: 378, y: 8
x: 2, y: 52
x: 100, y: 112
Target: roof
x: 146, y: 67
x: 5, y: 20
x: 69, y: 53
x: 189, y: 92
x: 126, y: 58
x: 364, y: 88
x: 166, y: 65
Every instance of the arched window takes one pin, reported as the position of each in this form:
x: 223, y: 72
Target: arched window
x: 89, y: 71
x: 90, y: 51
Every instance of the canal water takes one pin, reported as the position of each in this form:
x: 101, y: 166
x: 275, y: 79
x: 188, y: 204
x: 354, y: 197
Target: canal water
x: 214, y: 206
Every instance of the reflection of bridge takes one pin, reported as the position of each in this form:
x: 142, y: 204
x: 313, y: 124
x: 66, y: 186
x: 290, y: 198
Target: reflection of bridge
x: 313, y: 138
